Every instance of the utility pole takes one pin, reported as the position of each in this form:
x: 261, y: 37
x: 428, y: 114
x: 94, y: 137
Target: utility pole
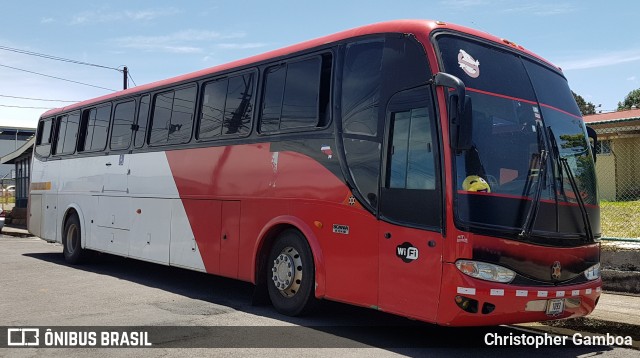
x: 125, y: 72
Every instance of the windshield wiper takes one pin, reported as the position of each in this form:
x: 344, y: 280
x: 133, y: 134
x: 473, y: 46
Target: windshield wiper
x: 564, y: 166
x: 530, y: 219
x: 581, y: 204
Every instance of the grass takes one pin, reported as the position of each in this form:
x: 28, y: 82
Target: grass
x: 620, y: 218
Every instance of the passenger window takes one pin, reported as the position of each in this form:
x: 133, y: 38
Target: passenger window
x: 94, y: 128
x: 43, y: 141
x: 143, y: 117
x: 361, y: 79
x: 122, y: 121
x: 71, y: 134
x: 67, y: 134
x: 227, y: 107
x: 297, y: 95
x: 172, y: 118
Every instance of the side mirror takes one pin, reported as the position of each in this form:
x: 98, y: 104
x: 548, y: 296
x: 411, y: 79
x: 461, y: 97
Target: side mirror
x: 460, y: 111
x: 594, y: 141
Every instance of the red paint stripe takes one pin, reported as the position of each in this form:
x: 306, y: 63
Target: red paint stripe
x: 519, y: 197
x: 521, y: 100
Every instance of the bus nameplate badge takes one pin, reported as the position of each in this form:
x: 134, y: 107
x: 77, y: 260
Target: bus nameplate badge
x: 341, y: 229
x: 555, y: 307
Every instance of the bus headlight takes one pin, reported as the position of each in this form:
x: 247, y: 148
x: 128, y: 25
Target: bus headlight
x: 485, y: 271
x: 593, y: 272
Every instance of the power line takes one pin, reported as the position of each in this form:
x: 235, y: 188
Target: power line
x: 24, y: 107
x: 58, y: 78
x: 56, y: 58
x: 39, y: 99
x: 125, y: 70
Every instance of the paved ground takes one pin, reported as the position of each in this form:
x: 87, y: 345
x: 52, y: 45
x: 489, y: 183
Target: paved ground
x: 37, y: 288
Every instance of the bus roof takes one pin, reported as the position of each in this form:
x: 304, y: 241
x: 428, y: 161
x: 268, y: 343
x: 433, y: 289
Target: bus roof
x: 421, y: 28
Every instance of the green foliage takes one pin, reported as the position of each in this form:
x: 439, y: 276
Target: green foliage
x: 632, y: 99
x: 585, y: 107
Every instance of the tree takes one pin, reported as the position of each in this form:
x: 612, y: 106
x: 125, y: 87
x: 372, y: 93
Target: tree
x: 632, y: 99
x: 585, y: 107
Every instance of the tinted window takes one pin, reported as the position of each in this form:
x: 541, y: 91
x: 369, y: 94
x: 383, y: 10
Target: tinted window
x: 61, y: 129
x: 227, y: 107
x: 94, y: 129
x: 43, y: 142
x: 362, y: 76
x: 143, y: 115
x: 71, y: 135
x: 272, y: 103
x: 297, y: 95
x: 301, y: 91
x: 495, y: 70
x: 412, y: 161
x: 551, y: 88
x: 212, y: 113
x: 122, y: 121
x: 173, y: 116
x: 238, y: 109
x: 101, y: 128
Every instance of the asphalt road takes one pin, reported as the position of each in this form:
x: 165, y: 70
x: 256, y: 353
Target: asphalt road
x: 215, y: 315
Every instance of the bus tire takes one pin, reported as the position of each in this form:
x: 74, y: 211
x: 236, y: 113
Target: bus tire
x: 291, y: 274
x: 72, y: 241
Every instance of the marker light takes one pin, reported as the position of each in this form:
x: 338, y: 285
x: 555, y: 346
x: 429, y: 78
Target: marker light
x: 593, y: 272
x: 485, y: 271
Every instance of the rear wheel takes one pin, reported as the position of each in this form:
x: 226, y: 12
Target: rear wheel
x: 71, y: 241
x: 291, y: 274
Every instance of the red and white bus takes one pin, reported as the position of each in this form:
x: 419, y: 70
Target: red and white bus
x: 415, y: 167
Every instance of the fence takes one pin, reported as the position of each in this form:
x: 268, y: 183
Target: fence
x: 618, y: 175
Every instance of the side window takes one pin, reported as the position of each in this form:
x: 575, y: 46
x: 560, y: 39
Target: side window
x: 43, y: 140
x: 143, y: 117
x: 173, y: 116
x: 227, y: 107
x: 412, y: 162
x: 67, y: 133
x: 296, y: 95
x: 411, y: 189
x: 122, y: 122
x: 361, y: 79
x: 61, y: 129
x: 94, y: 128
x: 71, y: 134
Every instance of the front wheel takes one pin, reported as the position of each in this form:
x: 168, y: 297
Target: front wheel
x: 291, y: 274
x: 71, y: 241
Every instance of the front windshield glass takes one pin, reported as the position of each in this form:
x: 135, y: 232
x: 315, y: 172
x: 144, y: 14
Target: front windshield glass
x: 522, y: 112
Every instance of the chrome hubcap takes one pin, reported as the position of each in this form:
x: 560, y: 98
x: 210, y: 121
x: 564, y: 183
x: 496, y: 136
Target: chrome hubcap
x: 287, y: 272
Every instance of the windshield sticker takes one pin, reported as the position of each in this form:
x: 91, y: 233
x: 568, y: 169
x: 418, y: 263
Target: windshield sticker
x: 468, y: 64
x: 407, y: 252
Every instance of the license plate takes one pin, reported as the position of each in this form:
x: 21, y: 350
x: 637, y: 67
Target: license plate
x: 555, y: 307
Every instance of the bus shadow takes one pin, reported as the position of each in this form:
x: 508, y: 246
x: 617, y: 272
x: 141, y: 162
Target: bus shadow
x: 331, y: 325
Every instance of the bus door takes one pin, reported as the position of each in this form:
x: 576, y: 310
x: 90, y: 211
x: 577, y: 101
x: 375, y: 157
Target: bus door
x: 410, y: 238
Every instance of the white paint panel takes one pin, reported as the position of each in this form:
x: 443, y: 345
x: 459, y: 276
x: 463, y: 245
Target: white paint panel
x: 150, y: 229
x: 184, y: 249
x: 522, y: 293
x: 543, y: 293
x: 496, y: 292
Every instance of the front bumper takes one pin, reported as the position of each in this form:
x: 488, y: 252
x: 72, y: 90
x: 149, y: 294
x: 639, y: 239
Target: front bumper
x: 511, y: 304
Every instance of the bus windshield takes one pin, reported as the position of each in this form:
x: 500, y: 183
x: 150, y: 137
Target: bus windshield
x: 530, y: 150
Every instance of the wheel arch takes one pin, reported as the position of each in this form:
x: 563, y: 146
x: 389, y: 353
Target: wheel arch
x: 74, y: 209
x: 268, y: 236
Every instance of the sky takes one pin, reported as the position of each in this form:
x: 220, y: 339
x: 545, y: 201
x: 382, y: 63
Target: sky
x: 595, y: 42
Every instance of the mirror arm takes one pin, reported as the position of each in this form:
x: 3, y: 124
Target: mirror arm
x: 447, y: 80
